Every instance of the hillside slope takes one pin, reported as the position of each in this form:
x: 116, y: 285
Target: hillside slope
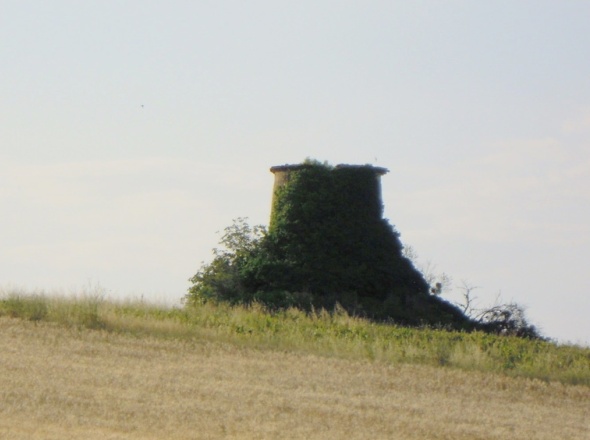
x: 65, y: 383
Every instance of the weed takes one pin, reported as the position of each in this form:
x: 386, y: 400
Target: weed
x: 32, y: 307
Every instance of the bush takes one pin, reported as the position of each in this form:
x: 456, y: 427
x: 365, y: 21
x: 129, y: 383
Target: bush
x: 508, y: 319
x: 502, y: 318
x: 223, y: 279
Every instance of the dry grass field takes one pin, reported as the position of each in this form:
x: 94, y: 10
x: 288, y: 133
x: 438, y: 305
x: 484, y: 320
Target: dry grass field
x: 60, y: 383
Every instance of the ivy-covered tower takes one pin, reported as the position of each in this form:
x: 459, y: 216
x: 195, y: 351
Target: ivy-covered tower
x: 327, y: 245
x: 328, y: 239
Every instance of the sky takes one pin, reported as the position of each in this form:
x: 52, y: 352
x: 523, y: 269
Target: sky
x: 132, y: 132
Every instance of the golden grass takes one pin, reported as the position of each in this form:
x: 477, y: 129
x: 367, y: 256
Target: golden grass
x: 66, y: 383
x: 325, y: 334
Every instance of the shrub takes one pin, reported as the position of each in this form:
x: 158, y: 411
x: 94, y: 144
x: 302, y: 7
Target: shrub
x: 507, y: 319
x: 222, y: 279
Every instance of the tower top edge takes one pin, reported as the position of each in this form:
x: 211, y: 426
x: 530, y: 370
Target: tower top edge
x: 296, y: 167
x: 289, y: 167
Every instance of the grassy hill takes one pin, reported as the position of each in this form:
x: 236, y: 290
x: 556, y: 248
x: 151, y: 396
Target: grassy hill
x: 89, y: 368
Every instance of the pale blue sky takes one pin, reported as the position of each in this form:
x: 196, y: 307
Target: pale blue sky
x: 130, y: 132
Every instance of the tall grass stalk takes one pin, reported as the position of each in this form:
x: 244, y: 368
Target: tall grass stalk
x: 328, y: 334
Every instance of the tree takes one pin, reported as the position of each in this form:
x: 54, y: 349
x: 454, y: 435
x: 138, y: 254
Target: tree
x: 222, y: 278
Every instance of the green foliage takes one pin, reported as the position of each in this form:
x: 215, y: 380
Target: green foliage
x: 223, y: 279
x: 327, y: 244
x: 328, y: 232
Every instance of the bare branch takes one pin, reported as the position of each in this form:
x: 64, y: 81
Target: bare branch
x: 467, y: 306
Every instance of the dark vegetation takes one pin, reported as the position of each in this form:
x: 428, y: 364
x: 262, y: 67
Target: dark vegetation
x: 328, y: 246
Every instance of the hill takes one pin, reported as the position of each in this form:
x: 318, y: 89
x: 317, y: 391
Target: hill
x: 88, y: 368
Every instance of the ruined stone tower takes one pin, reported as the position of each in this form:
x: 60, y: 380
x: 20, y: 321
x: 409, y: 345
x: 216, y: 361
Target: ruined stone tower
x: 329, y: 245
